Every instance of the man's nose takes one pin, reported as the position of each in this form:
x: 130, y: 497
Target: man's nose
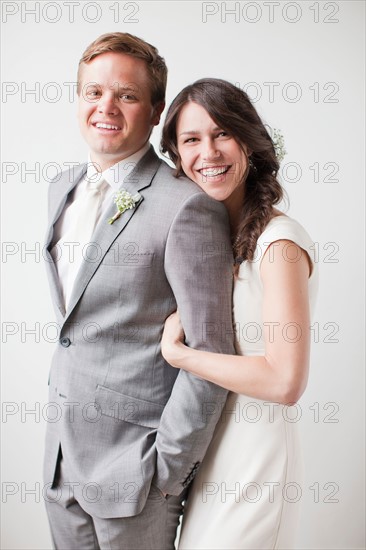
x: 108, y: 104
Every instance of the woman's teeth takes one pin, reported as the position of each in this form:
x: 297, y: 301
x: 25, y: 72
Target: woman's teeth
x: 209, y: 172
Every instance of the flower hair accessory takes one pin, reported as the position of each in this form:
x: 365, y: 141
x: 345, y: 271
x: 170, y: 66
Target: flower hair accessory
x: 279, y: 145
x: 124, y: 201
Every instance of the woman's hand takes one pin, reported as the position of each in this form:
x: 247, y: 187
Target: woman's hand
x: 172, y: 341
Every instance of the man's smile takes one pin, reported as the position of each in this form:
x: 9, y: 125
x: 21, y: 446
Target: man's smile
x: 106, y: 126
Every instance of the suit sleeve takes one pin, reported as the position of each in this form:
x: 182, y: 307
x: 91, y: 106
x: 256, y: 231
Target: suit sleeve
x: 198, y: 265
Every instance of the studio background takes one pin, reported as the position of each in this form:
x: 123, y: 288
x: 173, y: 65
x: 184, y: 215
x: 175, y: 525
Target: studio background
x: 303, y: 65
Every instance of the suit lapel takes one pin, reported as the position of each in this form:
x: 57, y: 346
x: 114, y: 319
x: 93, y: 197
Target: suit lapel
x: 61, y: 191
x: 105, y: 234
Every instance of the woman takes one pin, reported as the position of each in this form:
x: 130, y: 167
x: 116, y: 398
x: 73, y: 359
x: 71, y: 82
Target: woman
x: 247, y: 490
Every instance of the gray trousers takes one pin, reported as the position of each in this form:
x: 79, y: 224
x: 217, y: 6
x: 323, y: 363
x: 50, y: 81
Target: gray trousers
x: 74, y: 529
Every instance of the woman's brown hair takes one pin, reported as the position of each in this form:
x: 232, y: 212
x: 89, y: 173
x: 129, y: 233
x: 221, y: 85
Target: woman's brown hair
x: 231, y: 109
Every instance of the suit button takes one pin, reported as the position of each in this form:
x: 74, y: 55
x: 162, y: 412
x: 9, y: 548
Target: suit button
x: 65, y: 342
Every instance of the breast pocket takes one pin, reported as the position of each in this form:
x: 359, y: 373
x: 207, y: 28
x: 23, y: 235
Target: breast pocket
x: 128, y: 255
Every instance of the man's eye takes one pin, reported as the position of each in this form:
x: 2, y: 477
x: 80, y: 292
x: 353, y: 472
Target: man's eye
x: 128, y: 97
x: 92, y: 93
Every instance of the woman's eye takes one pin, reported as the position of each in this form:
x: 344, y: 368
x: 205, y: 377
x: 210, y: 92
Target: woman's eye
x: 222, y: 134
x: 190, y: 140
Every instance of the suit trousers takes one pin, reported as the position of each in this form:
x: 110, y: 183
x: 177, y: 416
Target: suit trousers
x: 154, y: 528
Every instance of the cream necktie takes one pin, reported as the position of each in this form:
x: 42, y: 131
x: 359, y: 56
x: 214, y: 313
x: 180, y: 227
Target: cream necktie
x: 77, y: 241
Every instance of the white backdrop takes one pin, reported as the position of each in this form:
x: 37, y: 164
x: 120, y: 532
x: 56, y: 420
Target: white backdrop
x: 303, y: 65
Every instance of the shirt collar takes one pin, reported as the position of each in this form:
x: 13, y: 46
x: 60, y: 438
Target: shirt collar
x: 115, y: 175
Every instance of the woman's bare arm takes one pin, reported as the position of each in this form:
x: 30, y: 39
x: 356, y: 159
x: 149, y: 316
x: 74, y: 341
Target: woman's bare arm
x: 281, y: 374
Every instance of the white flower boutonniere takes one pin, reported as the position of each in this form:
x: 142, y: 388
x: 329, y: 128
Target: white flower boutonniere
x: 279, y: 145
x: 124, y: 201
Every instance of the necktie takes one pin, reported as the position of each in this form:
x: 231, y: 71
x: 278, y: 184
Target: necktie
x: 88, y: 212
x: 77, y: 241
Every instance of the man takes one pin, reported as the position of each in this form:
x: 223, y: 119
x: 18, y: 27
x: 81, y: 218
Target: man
x: 132, y: 431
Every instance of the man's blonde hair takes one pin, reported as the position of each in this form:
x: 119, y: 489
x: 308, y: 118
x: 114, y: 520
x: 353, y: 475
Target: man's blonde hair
x: 120, y: 42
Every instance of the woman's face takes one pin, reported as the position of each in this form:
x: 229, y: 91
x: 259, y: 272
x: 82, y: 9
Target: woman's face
x: 209, y: 155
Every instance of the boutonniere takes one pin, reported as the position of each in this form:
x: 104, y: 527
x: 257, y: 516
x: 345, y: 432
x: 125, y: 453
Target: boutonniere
x: 124, y: 201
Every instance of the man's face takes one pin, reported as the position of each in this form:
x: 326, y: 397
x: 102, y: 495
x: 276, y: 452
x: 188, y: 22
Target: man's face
x: 115, y: 112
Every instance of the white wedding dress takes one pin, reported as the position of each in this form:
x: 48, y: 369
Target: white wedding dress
x: 248, y: 489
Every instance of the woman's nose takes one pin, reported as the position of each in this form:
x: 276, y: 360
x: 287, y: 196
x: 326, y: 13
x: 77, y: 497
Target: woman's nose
x: 210, y: 151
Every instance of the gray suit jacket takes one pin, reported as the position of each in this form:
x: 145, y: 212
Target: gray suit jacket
x: 125, y: 418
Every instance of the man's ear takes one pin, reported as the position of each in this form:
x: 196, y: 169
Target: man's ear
x: 158, y: 109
